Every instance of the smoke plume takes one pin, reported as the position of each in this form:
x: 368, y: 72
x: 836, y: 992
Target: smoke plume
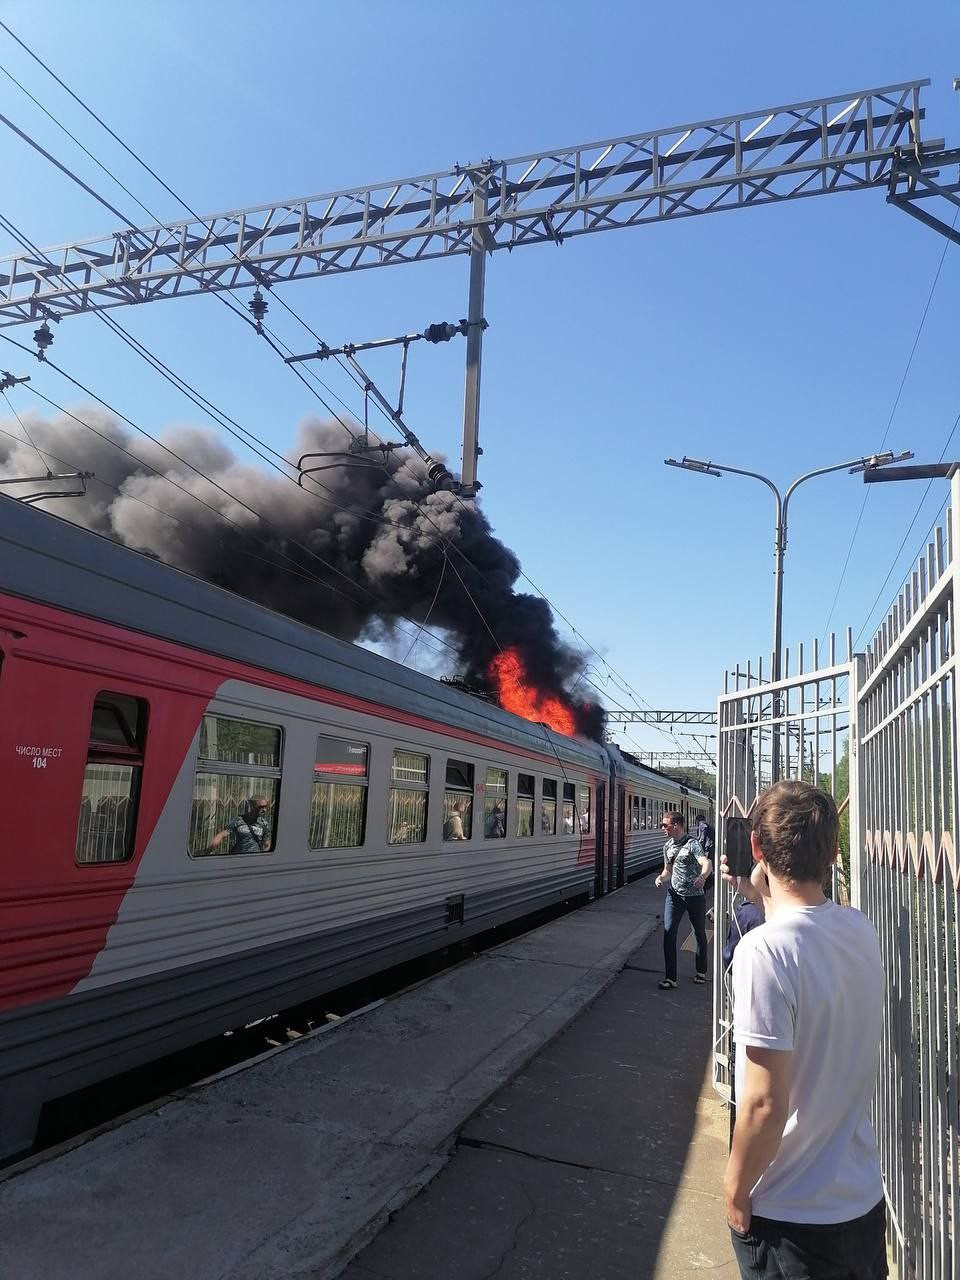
x: 373, y: 547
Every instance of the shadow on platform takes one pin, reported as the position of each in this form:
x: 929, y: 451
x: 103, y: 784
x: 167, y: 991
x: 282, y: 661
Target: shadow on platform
x: 602, y: 1159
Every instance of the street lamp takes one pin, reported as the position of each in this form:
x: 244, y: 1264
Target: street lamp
x: 854, y: 466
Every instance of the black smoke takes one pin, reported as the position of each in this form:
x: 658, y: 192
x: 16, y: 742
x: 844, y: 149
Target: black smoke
x: 377, y: 545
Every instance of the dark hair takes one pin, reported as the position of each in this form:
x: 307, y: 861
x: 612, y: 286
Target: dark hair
x: 251, y: 808
x: 796, y: 826
x: 674, y: 815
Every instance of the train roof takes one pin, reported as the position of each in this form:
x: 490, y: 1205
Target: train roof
x: 55, y: 562
x: 626, y: 767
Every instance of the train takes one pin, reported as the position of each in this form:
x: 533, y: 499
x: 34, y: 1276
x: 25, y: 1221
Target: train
x: 215, y: 812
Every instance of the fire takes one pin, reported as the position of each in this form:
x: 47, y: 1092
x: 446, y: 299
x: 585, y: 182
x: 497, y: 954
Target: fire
x: 515, y: 694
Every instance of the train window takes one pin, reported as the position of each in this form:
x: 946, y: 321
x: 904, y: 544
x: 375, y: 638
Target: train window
x: 584, y: 806
x: 236, y: 788
x: 409, y: 781
x: 458, y: 801
x: 635, y: 814
x: 569, y: 808
x: 495, y: 805
x: 338, y: 804
x: 643, y: 813
x: 548, y: 814
x: 111, y: 779
x: 526, y: 793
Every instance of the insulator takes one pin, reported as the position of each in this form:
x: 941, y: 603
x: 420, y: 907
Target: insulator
x: 439, y: 476
x: 258, y: 307
x: 440, y: 332
x: 43, y: 338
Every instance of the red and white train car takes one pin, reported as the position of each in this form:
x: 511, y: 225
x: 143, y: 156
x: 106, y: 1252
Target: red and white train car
x: 214, y: 812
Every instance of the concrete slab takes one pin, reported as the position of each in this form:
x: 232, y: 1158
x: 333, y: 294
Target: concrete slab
x: 621, y: 1093
x: 284, y: 1168
x: 503, y: 1214
x: 603, y: 1158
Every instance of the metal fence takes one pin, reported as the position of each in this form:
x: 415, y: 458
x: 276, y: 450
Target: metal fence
x: 796, y: 728
x: 879, y: 731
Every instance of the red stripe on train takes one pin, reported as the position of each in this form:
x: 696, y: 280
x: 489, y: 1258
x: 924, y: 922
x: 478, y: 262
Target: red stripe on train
x: 56, y: 914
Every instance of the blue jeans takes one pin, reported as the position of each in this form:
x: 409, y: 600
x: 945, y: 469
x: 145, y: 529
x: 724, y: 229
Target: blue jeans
x: 853, y: 1250
x: 674, y: 906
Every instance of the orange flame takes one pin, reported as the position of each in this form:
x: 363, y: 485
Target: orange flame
x: 516, y: 695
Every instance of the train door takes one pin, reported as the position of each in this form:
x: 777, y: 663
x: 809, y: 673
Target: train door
x: 600, y: 835
x: 618, y: 870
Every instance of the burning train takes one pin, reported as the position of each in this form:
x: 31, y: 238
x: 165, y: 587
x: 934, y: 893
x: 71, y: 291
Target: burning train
x: 215, y: 811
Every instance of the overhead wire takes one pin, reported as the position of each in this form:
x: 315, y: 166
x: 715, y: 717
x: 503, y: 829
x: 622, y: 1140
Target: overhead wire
x: 152, y: 172
x: 160, y: 366
x: 903, y: 540
x: 203, y: 402
x: 213, y: 483
x: 176, y: 379
x: 65, y: 169
x: 222, y: 419
x: 886, y: 432
x: 426, y: 616
x: 23, y: 428
x: 131, y: 497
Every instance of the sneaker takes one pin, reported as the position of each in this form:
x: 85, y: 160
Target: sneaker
x: 699, y: 979
x: 667, y: 984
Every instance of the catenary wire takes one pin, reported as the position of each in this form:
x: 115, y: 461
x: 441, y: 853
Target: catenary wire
x: 128, y: 338
x: 297, y: 570
x: 234, y: 427
x: 229, y: 424
x: 286, y: 306
x: 23, y: 428
x: 886, y: 432
x: 213, y: 483
x: 903, y: 541
x: 426, y: 616
x: 65, y: 169
x: 224, y: 419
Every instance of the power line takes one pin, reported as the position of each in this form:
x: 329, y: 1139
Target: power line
x: 191, y: 392
x: 206, y: 406
x: 223, y: 419
x: 297, y: 570
x: 197, y: 471
x: 128, y: 221
x: 155, y: 361
x: 903, y: 380
x: 143, y: 351
x: 73, y: 138
x: 903, y: 541
x: 181, y: 383
x: 23, y: 428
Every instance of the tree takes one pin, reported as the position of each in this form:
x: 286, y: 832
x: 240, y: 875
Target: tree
x: 695, y: 779
x: 839, y: 788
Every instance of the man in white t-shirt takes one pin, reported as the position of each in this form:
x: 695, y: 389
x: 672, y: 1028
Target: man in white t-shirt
x: 803, y: 1189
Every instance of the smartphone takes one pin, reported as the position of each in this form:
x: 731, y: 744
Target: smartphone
x: 736, y: 846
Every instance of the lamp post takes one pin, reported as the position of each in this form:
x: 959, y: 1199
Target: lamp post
x: 854, y: 466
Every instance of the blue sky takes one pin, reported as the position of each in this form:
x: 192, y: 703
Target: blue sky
x: 774, y: 338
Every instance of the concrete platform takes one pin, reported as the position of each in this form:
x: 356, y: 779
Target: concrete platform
x: 286, y: 1167
x: 602, y: 1160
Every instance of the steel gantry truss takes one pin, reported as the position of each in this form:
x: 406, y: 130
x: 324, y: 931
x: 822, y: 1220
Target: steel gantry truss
x: 916, y: 185
x: 662, y: 717
x: 847, y: 142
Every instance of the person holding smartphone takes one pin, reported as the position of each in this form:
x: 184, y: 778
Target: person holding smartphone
x: 803, y: 1190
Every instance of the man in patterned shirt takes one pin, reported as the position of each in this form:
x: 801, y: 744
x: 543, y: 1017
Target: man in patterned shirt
x: 685, y: 871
